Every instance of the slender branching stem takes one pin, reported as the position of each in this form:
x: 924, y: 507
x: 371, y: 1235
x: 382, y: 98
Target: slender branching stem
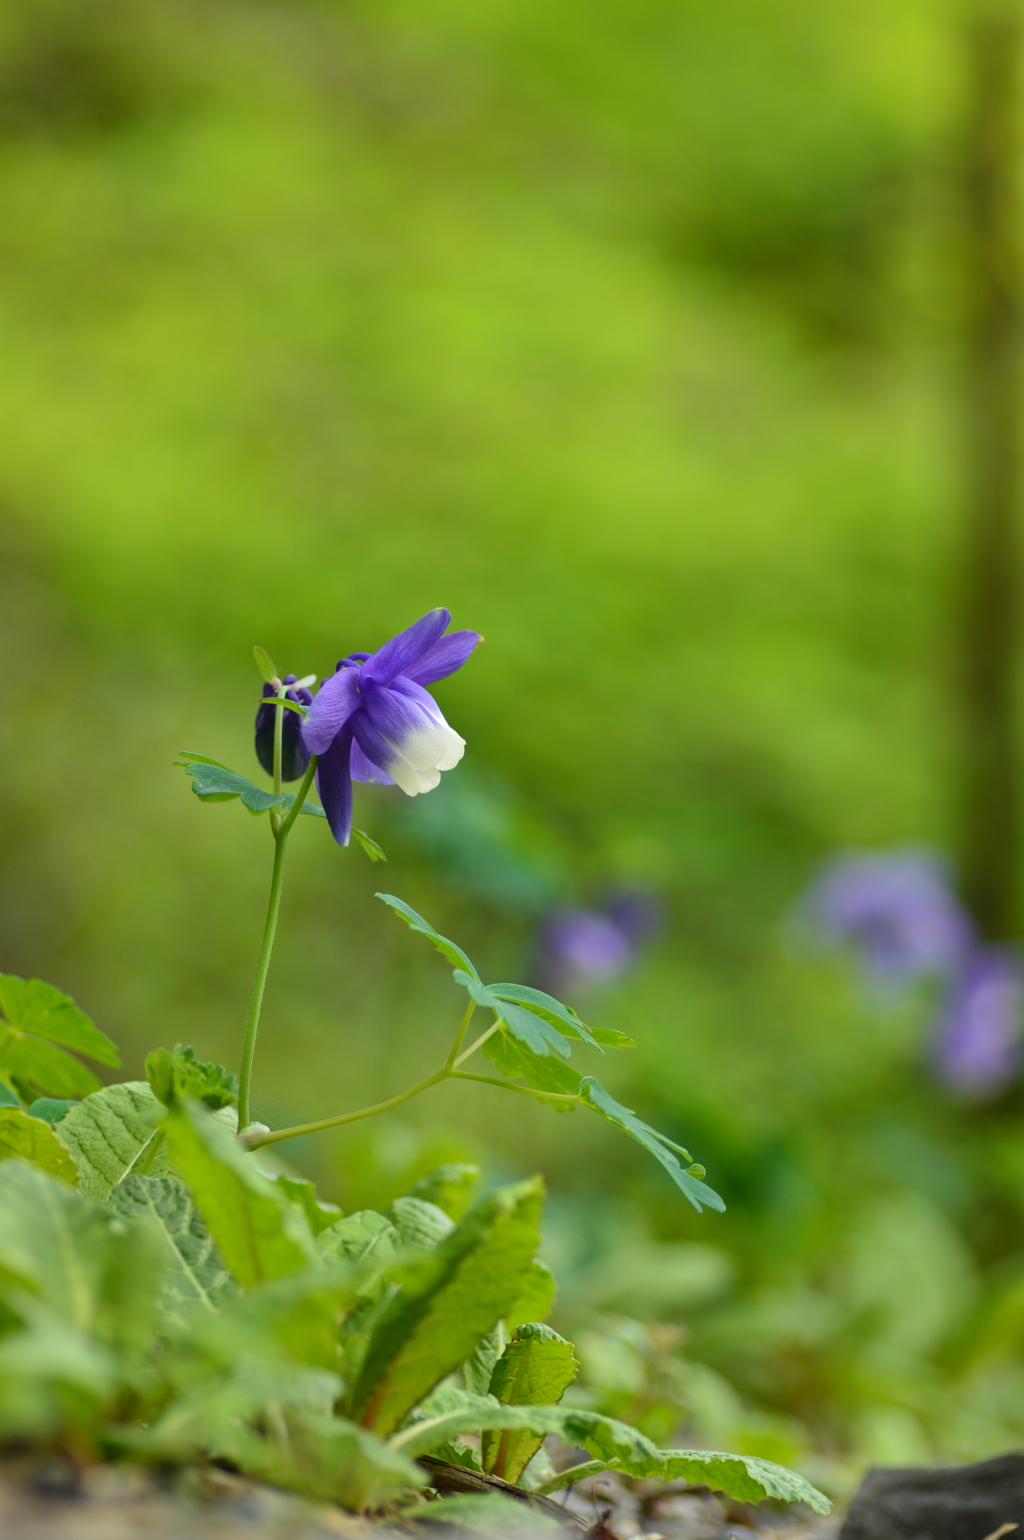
x: 478, y: 1044
x: 524, y: 1090
x: 300, y: 797
x: 259, y: 983
x: 256, y: 1141
x: 460, y: 1038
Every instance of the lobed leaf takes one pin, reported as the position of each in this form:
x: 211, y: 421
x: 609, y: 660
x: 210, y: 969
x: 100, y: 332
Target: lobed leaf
x: 215, y: 783
x: 696, y: 1191
x: 175, y: 1073
x: 259, y: 1232
x: 196, y: 1273
x: 515, y: 1061
x: 33, y: 1139
x: 112, y: 1133
x: 534, y: 1031
x: 547, y: 1007
x: 415, y: 921
x: 447, y: 1302
x: 29, y: 1005
x: 42, y: 1069
x: 535, y: 1369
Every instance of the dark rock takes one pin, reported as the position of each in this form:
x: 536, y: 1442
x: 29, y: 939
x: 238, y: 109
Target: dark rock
x: 957, y: 1502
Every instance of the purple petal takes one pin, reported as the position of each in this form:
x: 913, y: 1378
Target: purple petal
x: 978, y: 1052
x: 403, y: 650
x: 446, y: 655
x: 363, y: 768
x: 332, y: 706
x: 334, y: 783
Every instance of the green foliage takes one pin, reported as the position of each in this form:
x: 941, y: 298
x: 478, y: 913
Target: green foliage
x: 420, y: 1223
x: 35, y: 1017
x: 447, y: 949
x: 662, y: 1148
x: 536, y: 1369
x: 33, y: 1139
x: 319, y: 1215
x: 51, y: 1109
x: 113, y: 1132
x: 449, y: 1188
x: 178, y: 1073
x: 195, y: 1275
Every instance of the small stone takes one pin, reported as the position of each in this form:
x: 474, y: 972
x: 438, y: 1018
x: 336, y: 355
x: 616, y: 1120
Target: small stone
x: 957, y: 1502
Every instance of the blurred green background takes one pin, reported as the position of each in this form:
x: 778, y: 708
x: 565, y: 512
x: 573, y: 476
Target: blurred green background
x: 629, y: 332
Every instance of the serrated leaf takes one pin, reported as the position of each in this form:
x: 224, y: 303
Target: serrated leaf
x: 532, y: 1030
x: 536, y: 1369
x: 692, y: 1188
x: 450, y: 1187
x: 112, y: 1133
x: 420, y: 1223
x: 370, y: 846
x: 258, y: 1231
x: 415, y: 921
x: 517, y: 1062
x: 447, y: 1302
x: 175, y: 1073
x: 547, y: 1007
x: 29, y: 1005
x: 33, y: 1139
x: 43, y: 1069
x: 196, y: 1274
x: 51, y: 1108
x: 537, y: 1298
x: 319, y: 1215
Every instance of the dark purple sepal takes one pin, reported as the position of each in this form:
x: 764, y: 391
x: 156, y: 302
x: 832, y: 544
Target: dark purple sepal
x: 294, y: 754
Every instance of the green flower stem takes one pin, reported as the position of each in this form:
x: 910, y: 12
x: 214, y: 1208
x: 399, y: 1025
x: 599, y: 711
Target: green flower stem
x: 452, y: 1060
x: 300, y: 797
x: 274, y: 1136
x: 524, y: 1090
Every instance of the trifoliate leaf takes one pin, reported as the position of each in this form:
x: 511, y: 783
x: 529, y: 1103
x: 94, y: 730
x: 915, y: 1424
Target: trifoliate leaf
x: 450, y: 1187
x: 535, y: 1031
x: 196, y: 1274
x: 536, y: 1369
x: 547, y: 1007
x: 420, y: 1223
x: 112, y: 1133
x: 33, y: 1139
x: 415, y: 921
x: 447, y: 1302
x: 29, y: 1005
x: 174, y: 1073
x: 694, y: 1190
x: 51, y: 1108
x: 549, y: 1074
x: 320, y: 1215
x: 258, y: 1231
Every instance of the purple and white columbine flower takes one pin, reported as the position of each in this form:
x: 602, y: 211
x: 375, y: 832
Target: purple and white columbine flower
x: 372, y: 720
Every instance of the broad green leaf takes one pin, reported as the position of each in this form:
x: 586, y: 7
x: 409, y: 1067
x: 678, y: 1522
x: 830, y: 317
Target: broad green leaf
x: 415, y: 921
x: 547, y: 1007
x: 535, y: 1369
x: 694, y: 1190
x: 259, y: 1232
x: 50, y: 1108
x: 420, y: 1223
x: 43, y: 1069
x: 479, y: 1366
x: 290, y: 1320
x: 448, y: 1300
x: 112, y: 1133
x: 312, y: 809
x: 536, y: 1300
x: 534, y: 1032
x: 320, y: 1215
x: 450, y: 1187
x: 196, y: 1274
x: 33, y: 1139
x: 371, y: 847
x: 8, y: 1097
x: 450, y: 1411
x: 366, y: 1241
x: 609, y: 1038
x: 29, y: 1005
x: 174, y: 1073
x: 516, y: 1061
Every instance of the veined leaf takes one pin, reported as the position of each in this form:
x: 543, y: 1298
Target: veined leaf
x: 265, y: 664
x: 450, y: 1187
x: 174, y: 1073
x: 51, y: 1108
x: 29, y: 1005
x: 532, y: 1030
x: 415, y: 921
x: 34, y: 1140
x: 259, y: 1232
x: 215, y: 783
x: 320, y: 1215
x: 479, y: 1366
x: 516, y: 1061
x: 547, y: 1007
x: 112, y: 1133
x: 692, y: 1188
x: 535, y: 1369
x: 42, y: 1069
x: 536, y: 1299
x: 447, y: 1302
x: 196, y: 1273
x: 420, y: 1223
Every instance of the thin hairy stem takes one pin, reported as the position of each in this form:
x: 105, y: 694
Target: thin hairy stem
x: 275, y: 1136
x: 451, y: 1060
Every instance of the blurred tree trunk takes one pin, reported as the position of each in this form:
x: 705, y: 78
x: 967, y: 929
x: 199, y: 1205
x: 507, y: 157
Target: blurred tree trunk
x: 992, y: 811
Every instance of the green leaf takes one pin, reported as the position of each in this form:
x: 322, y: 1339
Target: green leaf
x: 43, y: 1069
x: 547, y: 1007
x: 51, y: 1108
x: 447, y: 1302
x: 319, y: 1215
x: 479, y: 1366
x: 609, y: 1038
x: 33, y: 1139
x: 265, y: 664
x: 196, y: 1274
x: 536, y: 1300
x: 371, y: 847
x: 215, y: 783
x: 8, y: 1097
x: 312, y: 809
x: 449, y: 1187
x: 535, y: 1369
x: 112, y: 1133
x: 260, y: 1233
x: 29, y: 1005
x: 696, y: 1191
x: 532, y: 1030
x: 415, y: 921
x: 175, y: 1073
x: 420, y: 1223
x: 517, y: 1062
x: 364, y: 1240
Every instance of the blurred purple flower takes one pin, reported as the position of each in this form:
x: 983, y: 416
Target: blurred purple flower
x: 372, y: 720
x: 294, y: 754
x: 978, y: 1047
x: 581, y: 948
x: 899, y: 912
